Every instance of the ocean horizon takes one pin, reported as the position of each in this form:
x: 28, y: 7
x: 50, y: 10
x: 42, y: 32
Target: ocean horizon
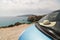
x: 6, y: 21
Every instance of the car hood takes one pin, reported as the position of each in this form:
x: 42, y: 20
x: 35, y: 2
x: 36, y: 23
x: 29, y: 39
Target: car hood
x: 32, y: 33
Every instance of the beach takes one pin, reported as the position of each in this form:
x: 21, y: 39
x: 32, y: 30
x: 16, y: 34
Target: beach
x: 12, y: 33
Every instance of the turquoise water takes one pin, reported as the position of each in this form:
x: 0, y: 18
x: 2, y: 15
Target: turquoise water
x: 5, y: 21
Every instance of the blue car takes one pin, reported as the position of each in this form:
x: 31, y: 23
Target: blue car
x: 48, y: 28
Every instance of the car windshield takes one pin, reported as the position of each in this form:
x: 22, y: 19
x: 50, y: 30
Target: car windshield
x: 51, y: 17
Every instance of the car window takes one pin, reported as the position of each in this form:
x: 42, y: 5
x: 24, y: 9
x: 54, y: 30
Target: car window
x: 50, y: 17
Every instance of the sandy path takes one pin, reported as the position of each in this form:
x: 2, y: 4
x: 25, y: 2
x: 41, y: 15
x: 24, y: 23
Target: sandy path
x: 12, y: 33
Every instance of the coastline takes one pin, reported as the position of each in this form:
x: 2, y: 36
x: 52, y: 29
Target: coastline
x: 12, y: 33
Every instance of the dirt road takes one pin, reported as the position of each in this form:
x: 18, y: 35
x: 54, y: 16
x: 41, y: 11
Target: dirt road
x: 12, y: 33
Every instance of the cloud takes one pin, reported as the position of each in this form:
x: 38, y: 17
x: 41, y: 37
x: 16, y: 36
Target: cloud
x: 16, y: 7
x: 29, y: 4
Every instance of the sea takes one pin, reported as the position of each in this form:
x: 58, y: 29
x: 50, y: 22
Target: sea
x: 5, y: 21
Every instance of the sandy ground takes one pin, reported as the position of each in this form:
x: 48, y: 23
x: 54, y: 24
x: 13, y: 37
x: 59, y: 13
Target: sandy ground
x: 12, y: 33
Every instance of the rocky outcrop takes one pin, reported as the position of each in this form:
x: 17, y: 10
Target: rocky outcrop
x: 34, y: 18
x: 11, y: 25
x: 17, y: 23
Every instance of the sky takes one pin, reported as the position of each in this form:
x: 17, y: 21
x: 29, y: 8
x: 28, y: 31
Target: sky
x: 23, y: 7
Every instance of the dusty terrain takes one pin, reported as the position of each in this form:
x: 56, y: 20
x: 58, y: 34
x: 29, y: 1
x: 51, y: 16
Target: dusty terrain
x: 12, y: 33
